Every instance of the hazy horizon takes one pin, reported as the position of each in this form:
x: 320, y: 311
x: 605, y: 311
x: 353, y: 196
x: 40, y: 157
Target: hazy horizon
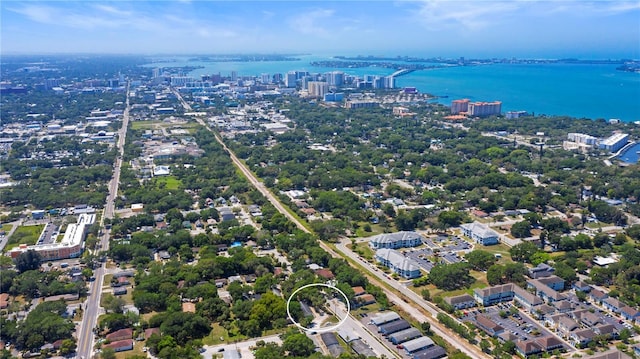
x: 429, y: 28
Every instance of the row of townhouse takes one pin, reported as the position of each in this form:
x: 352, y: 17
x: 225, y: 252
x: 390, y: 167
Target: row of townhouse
x: 614, y: 305
x: 580, y: 326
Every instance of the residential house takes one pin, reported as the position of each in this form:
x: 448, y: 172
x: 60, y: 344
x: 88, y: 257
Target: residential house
x: 590, y: 319
x: 122, y: 334
x: 543, y: 311
x: 629, y: 313
x: 553, y: 281
x: 581, y: 286
x: 526, y: 348
x: 540, y: 271
x: 358, y: 291
x: 119, y: 291
x: 545, y: 288
x: 566, y: 326
x: 528, y: 300
x: 563, y: 306
x: 461, y: 301
x: 325, y: 273
x: 121, y: 345
x: 480, y: 233
x: 365, y: 299
x: 612, y: 304
x: 489, y: 326
x: 552, y: 320
x: 493, y: 295
x: 582, y: 337
x: 597, y: 296
x: 608, y: 330
x: 609, y: 354
x: 549, y: 343
x: 402, y: 239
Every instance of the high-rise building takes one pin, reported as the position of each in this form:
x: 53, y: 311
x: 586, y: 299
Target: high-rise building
x: 389, y: 82
x: 458, y: 106
x: 335, y: 78
x: 290, y: 79
x: 485, y: 108
x: 265, y: 78
x: 234, y: 75
x: 277, y: 78
x: 157, y: 72
x: 318, y: 88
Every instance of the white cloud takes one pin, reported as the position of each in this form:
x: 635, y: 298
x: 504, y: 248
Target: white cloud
x: 312, y: 22
x: 442, y: 14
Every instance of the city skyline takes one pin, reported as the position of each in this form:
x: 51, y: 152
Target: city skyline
x: 602, y: 29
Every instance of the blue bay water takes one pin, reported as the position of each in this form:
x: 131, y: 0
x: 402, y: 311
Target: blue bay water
x: 577, y: 90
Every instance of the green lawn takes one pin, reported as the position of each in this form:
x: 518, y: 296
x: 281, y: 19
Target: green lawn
x: 375, y: 229
x: 170, y: 182
x: 25, y: 235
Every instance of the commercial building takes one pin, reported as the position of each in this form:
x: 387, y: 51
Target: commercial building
x: 393, y: 327
x: 615, y: 142
x: 383, y: 318
x: 481, y: 109
x: 402, y: 239
x: 418, y: 344
x: 404, y: 335
x: 480, y: 233
x: 582, y: 138
x: 70, y: 246
x: 394, y: 260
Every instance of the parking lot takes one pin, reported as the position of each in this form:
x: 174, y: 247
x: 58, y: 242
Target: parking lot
x: 445, y: 249
x: 518, y: 324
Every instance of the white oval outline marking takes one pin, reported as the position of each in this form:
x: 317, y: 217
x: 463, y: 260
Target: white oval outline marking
x: 325, y: 329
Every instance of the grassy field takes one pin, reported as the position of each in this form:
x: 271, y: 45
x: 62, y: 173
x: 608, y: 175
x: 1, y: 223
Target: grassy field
x: 137, y: 350
x: 219, y: 332
x: 138, y: 125
x: 25, y: 235
x: 363, y: 249
x: 375, y: 229
x: 170, y: 182
x: 6, y: 227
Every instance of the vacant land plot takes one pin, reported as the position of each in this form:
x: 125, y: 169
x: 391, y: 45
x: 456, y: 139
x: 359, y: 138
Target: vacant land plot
x: 25, y: 235
x: 168, y: 182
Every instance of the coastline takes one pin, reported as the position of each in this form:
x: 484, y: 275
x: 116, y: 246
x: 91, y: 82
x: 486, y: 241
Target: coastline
x: 584, y: 90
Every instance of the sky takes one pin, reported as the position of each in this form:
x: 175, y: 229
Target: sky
x: 447, y: 28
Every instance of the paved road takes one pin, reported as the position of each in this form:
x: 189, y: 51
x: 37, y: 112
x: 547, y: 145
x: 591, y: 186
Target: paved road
x: 408, y: 303
x: 244, y: 347
x: 447, y: 335
x: 92, y: 305
x: 355, y: 326
x: 4, y: 239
